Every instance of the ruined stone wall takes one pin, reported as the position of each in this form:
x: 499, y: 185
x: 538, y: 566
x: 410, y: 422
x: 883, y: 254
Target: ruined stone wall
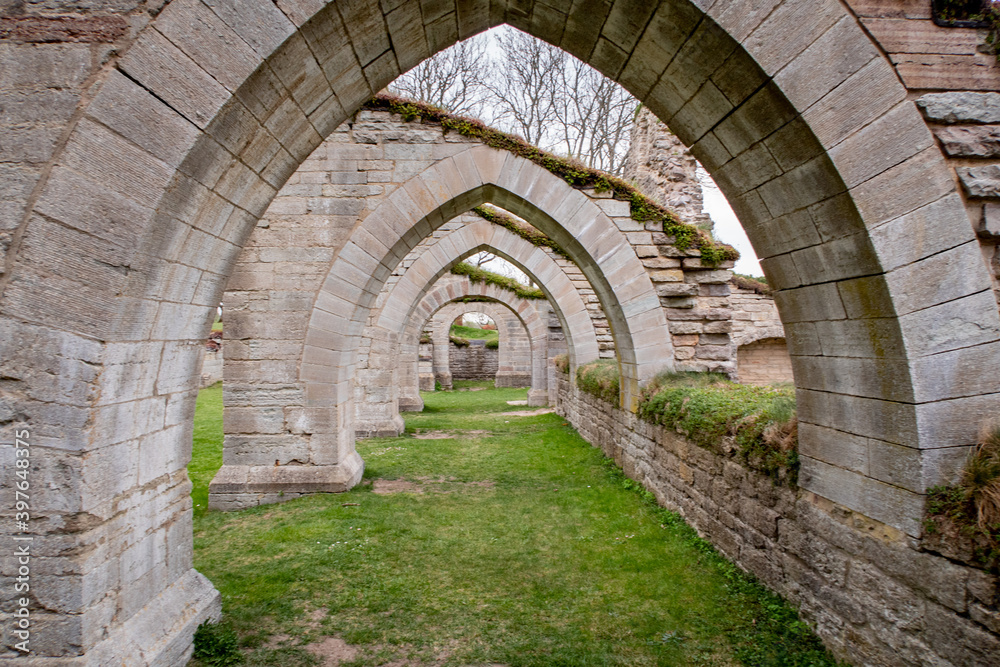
x: 473, y: 361
x: 764, y: 362
x: 870, y: 592
x: 663, y: 168
x: 755, y: 316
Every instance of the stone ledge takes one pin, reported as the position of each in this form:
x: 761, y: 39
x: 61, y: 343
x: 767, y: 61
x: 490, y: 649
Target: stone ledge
x: 237, y: 487
x: 389, y: 428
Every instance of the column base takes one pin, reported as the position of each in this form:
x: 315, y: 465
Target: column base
x: 160, y: 634
x: 538, y: 398
x: 411, y: 404
x: 239, y: 487
x: 389, y: 428
x: 512, y: 379
x: 426, y: 381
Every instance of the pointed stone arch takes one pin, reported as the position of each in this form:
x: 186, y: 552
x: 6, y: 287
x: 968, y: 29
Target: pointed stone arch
x: 402, y: 303
x: 116, y: 268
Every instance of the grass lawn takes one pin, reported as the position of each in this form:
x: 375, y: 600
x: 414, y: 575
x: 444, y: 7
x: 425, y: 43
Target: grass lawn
x: 472, y: 333
x: 499, y: 540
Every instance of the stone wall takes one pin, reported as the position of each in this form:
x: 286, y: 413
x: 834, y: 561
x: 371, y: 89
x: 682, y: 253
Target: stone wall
x: 871, y: 593
x: 473, y: 361
x: 764, y: 362
x: 211, y: 368
x: 967, y: 127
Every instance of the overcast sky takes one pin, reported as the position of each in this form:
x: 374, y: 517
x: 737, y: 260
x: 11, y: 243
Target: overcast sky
x: 727, y: 227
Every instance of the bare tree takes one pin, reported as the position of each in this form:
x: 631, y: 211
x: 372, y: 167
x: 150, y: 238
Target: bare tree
x: 593, y: 116
x: 527, y: 87
x: 454, y: 79
x: 524, y: 84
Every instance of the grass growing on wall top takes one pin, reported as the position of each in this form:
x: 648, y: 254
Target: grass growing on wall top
x: 526, y: 232
x: 600, y: 378
x: 757, y: 424
x: 963, y: 519
x: 574, y: 173
x: 512, y: 542
x: 476, y: 274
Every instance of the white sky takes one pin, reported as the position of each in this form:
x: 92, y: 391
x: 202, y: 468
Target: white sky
x: 727, y: 227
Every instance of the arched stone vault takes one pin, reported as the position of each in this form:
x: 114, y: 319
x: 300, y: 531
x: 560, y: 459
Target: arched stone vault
x: 399, y: 304
x: 164, y: 168
x: 402, y: 303
x: 522, y: 353
x: 446, y: 291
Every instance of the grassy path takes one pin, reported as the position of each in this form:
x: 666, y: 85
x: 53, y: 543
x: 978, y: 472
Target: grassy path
x: 514, y: 544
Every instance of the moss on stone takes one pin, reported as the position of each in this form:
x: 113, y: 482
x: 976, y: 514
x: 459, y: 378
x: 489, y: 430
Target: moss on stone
x: 562, y: 362
x: 685, y: 236
x: 479, y: 275
x: 602, y: 379
x: 526, y: 232
x: 756, y: 425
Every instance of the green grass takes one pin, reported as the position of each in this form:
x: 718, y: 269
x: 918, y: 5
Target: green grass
x: 600, y: 378
x: 206, y: 453
x: 217, y: 325
x: 527, y: 548
x: 707, y: 408
x: 474, y: 333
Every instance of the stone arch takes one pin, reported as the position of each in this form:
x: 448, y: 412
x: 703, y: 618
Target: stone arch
x: 580, y: 345
x: 131, y: 234
x: 399, y: 304
x: 458, y: 183
x: 514, y: 363
x: 532, y: 318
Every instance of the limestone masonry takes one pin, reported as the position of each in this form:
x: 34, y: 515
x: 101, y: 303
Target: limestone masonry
x: 157, y: 154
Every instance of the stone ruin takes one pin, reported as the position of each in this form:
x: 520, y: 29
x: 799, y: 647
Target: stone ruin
x: 144, y: 141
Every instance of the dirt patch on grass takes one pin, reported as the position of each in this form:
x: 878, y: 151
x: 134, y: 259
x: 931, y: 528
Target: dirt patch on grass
x: 445, y: 435
x: 427, y: 485
x: 332, y: 651
x: 528, y: 413
x: 384, y: 487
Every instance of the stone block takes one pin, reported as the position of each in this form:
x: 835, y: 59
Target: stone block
x: 676, y: 289
x: 981, y: 181
x: 171, y: 75
x: 892, y: 505
x: 960, y: 107
x: 975, y: 141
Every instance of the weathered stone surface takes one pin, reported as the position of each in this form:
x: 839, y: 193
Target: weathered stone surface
x: 960, y: 107
x: 981, y: 181
x: 969, y: 140
x: 989, y: 225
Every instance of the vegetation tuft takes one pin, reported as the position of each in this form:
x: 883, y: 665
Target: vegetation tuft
x: 602, y: 379
x: 685, y: 236
x: 479, y: 275
x: 755, y: 424
x: 216, y: 644
x: 562, y: 362
x: 965, y: 517
x: 970, y: 14
x: 752, y: 283
x: 525, y: 231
